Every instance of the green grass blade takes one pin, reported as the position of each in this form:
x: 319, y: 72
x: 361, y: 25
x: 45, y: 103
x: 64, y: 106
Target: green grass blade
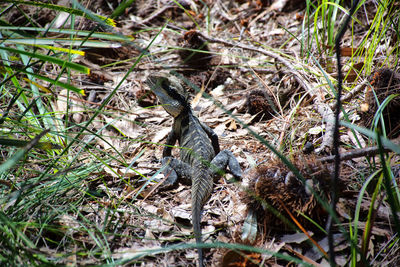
x: 54, y: 82
x: 13, y: 160
x: 71, y: 11
x: 386, y: 142
x: 55, y: 60
x: 99, y: 35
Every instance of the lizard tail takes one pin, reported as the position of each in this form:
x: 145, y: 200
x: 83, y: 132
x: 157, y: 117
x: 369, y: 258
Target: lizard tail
x: 196, y: 218
x: 201, y: 190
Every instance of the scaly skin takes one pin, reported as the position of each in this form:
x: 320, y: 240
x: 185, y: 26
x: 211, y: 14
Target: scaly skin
x: 198, y: 160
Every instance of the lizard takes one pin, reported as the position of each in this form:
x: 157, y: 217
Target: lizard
x: 200, y: 157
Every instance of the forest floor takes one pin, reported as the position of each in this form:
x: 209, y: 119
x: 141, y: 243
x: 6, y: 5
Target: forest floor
x: 263, y: 79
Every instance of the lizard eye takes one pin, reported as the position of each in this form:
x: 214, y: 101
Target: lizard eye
x: 165, y: 84
x: 169, y: 88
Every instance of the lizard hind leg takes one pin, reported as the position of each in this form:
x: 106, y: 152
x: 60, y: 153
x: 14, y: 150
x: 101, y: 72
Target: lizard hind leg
x: 175, y: 169
x: 222, y: 160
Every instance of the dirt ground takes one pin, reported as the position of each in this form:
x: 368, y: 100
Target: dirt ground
x: 250, y: 61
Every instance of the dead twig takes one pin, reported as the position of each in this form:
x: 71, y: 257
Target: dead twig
x: 323, y: 108
x: 299, y: 78
x: 356, y: 153
x: 153, y: 15
x: 352, y: 93
x: 96, y: 104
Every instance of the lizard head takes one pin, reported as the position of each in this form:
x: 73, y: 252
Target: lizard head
x: 169, y: 92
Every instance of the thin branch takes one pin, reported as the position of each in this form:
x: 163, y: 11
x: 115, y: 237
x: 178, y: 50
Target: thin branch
x: 356, y: 153
x: 336, y: 136
x: 352, y: 93
x: 323, y: 109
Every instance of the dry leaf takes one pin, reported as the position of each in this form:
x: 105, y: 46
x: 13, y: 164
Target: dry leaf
x: 297, y: 238
x: 157, y: 226
x: 178, y: 212
x: 160, y: 135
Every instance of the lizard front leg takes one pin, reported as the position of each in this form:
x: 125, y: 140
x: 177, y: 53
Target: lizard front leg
x: 222, y: 160
x: 213, y: 137
x: 171, y: 140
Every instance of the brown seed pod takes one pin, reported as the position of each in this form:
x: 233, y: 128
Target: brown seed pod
x: 274, y: 187
x: 258, y: 102
x: 200, y: 59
